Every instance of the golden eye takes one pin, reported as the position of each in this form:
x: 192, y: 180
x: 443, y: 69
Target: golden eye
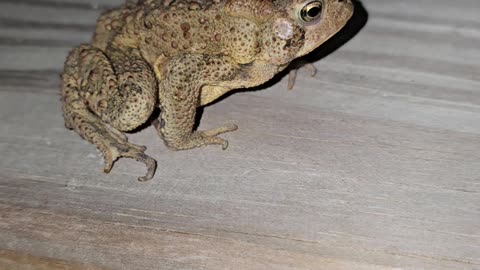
x: 312, y: 11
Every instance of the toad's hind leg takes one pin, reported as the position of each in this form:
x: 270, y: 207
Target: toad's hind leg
x: 100, y: 99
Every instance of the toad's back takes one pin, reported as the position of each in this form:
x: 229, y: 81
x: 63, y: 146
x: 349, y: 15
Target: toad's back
x: 168, y: 28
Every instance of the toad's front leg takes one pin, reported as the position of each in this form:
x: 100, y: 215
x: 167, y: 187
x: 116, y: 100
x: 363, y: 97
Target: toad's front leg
x: 179, y: 95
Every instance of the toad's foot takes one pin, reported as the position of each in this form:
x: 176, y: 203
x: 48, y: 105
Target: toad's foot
x: 198, y: 138
x: 117, y: 148
x: 211, y: 135
x: 111, y: 142
x: 292, y: 76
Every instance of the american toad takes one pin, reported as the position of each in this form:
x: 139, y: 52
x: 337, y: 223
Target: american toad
x: 179, y: 55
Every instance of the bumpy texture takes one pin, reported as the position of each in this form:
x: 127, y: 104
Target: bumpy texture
x: 179, y: 55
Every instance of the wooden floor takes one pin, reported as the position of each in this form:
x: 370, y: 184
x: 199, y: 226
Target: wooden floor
x: 373, y: 164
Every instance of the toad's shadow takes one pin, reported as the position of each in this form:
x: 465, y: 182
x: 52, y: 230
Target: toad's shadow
x: 351, y: 29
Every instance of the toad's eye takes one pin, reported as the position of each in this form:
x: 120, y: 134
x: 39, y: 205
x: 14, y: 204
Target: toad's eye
x: 311, y: 12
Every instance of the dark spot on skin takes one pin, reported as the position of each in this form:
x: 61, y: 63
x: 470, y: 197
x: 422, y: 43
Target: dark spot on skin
x: 302, y: 37
x: 102, y: 104
x: 164, y: 37
x: 185, y: 27
x: 288, y: 43
x: 147, y: 24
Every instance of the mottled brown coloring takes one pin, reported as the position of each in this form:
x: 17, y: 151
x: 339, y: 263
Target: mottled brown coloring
x: 179, y: 55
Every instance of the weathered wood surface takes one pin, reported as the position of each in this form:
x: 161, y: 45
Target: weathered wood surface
x: 373, y: 164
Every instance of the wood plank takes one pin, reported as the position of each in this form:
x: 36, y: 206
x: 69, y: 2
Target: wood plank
x: 373, y: 164
x: 12, y: 260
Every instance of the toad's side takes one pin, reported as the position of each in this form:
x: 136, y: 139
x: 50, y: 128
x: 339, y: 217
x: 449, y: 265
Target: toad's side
x: 180, y: 55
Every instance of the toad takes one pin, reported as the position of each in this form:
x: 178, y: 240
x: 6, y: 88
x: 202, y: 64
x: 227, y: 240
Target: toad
x: 178, y: 55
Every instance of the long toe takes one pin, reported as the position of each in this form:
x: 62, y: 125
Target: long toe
x: 151, y: 165
x: 220, y: 130
x: 292, y: 77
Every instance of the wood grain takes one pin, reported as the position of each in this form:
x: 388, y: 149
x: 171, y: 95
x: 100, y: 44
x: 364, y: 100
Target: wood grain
x: 14, y: 260
x: 373, y: 164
